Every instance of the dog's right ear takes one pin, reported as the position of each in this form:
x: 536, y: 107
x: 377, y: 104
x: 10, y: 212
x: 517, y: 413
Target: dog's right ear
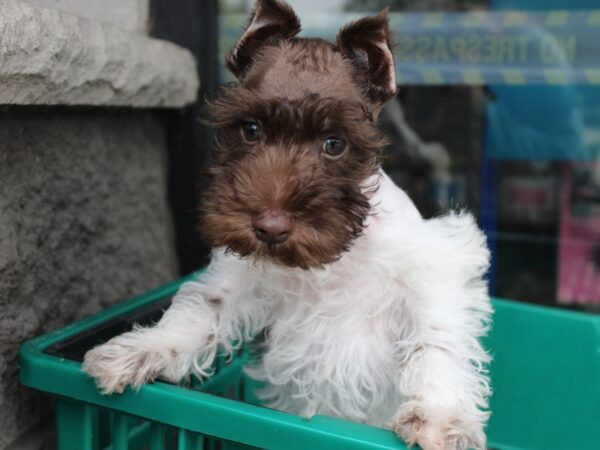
x: 271, y: 22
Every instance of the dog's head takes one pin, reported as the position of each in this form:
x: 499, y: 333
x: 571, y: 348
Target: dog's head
x: 296, y: 141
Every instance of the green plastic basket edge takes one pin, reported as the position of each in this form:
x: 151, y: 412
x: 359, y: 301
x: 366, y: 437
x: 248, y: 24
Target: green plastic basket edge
x: 254, y: 425
x: 180, y: 407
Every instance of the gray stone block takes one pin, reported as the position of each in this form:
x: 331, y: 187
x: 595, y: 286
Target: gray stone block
x: 130, y: 15
x: 84, y: 222
x: 48, y: 57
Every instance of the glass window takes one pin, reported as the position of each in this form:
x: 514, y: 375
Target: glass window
x: 498, y: 111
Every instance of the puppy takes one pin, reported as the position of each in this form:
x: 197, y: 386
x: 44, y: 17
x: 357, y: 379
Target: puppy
x: 372, y: 313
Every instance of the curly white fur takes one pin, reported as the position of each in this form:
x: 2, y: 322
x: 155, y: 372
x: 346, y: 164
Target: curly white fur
x: 387, y: 335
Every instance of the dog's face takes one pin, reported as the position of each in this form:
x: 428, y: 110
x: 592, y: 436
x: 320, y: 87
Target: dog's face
x: 296, y: 142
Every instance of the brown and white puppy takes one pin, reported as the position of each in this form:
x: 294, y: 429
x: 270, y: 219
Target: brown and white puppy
x: 373, y: 313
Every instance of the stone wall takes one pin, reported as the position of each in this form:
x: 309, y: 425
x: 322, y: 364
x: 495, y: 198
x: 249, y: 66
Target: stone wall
x: 83, y: 223
x: 84, y: 218
x: 51, y: 58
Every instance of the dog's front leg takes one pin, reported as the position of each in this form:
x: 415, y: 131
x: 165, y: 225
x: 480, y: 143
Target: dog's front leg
x: 443, y: 311
x: 445, y: 396
x: 206, y: 313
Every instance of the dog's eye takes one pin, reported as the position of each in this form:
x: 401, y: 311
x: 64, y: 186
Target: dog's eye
x: 334, y: 146
x: 250, y: 131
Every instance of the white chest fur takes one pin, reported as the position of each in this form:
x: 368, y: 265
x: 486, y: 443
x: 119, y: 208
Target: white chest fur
x: 333, y: 340
x: 328, y: 352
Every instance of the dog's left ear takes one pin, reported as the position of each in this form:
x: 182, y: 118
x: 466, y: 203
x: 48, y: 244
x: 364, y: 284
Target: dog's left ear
x: 271, y: 22
x: 368, y: 44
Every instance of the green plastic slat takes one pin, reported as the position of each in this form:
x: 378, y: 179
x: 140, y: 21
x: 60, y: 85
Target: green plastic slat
x: 230, y: 445
x: 76, y: 424
x: 157, y: 437
x: 187, y: 440
x: 120, y: 432
x: 105, y: 421
x: 137, y: 437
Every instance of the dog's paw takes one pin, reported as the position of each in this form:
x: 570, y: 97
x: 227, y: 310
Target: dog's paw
x: 434, y: 431
x: 120, y: 363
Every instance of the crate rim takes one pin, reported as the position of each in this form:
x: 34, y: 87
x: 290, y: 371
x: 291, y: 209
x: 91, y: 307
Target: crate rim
x: 38, y: 369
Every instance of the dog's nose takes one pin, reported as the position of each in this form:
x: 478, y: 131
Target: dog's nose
x: 273, y: 227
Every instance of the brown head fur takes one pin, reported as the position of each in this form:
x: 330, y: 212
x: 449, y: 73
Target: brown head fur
x: 297, y: 93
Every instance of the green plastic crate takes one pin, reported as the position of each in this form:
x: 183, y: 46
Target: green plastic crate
x: 545, y: 376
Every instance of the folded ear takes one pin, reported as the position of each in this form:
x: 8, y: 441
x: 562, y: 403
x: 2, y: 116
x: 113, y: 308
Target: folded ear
x: 368, y: 44
x: 271, y: 22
